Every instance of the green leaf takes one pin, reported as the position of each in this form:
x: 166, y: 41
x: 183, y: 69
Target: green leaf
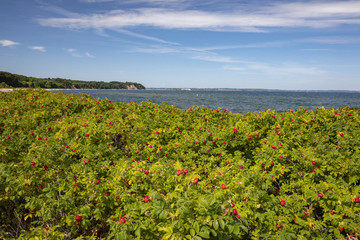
x: 236, y: 229
x: 222, y: 224
x: 163, y: 215
x: 167, y: 235
x: 166, y: 229
x: 231, y: 228
x: 292, y: 235
x: 196, y: 227
x: 216, y: 225
x: 204, y: 234
x: 138, y: 231
x: 122, y: 236
x: 244, y: 228
x: 192, y: 232
x: 213, y: 232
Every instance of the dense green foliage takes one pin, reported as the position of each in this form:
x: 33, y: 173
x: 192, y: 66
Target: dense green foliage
x: 10, y: 80
x: 75, y: 167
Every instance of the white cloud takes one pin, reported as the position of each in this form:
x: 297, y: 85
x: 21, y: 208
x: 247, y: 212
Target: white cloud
x: 89, y: 55
x: 234, y: 68
x: 95, y: 1
x: 322, y: 40
x: 137, y: 35
x: 156, y: 49
x: 58, y: 10
x: 251, y: 45
x: 314, y: 9
x: 332, y: 40
x: 215, y: 58
x: 73, y: 52
x: 280, y: 69
x: 315, y: 49
x: 38, y: 48
x: 299, y: 14
x: 76, y: 55
x: 8, y: 43
x: 131, y: 2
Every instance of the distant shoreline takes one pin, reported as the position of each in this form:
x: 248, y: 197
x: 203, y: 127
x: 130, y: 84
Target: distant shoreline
x: 11, y: 80
x: 220, y: 89
x: 249, y: 90
x: 60, y: 89
x: 190, y: 89
x: 83, y: 89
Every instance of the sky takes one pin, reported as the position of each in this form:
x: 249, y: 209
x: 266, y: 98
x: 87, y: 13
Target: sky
x: 289, y: 45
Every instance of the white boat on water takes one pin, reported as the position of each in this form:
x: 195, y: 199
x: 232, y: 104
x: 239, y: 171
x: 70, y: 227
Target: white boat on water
x: 186, y: 89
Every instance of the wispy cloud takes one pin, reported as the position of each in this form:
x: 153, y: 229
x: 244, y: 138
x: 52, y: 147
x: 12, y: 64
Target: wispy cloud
x: 317, y: 9
x: 71, y: 50
x: 137, y: 35
x: 38, y: 48
x: 323, y: 40
x: 89, y: 55
x: 315, y: 49
x: 234, y: 68
x: 95, y: 1
x: 8, y: 43
x: 156, y: 49
x: 299, y: 14
x: 332, y: 40
x: 280, y: 69
x: 143, y: 2
x: 251, y: 45
x: 57, y: 10
x: 215, y: 58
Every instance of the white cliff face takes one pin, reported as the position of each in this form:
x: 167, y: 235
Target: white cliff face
x: 131, y: 87
x: 6, y: 89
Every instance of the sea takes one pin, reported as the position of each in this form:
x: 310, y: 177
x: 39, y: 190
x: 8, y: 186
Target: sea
x: 239, y: 101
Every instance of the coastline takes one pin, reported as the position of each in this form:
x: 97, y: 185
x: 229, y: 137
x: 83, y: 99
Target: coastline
x: 85, y: 89
x: 61, y: 89
x: 192, y: 89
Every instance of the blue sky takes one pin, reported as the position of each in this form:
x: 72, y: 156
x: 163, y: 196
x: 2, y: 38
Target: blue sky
x: 291, y: 45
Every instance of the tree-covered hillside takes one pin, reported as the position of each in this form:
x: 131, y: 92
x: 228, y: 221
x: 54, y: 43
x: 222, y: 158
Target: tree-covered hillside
x: 10, y: 80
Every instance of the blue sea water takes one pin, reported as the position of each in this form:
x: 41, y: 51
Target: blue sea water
x: 237, y: 101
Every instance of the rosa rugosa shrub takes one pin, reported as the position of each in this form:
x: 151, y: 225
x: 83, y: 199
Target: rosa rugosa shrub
x: 74, y: 167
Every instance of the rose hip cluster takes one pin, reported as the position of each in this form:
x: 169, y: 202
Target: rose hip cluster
x: 182, y: 172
